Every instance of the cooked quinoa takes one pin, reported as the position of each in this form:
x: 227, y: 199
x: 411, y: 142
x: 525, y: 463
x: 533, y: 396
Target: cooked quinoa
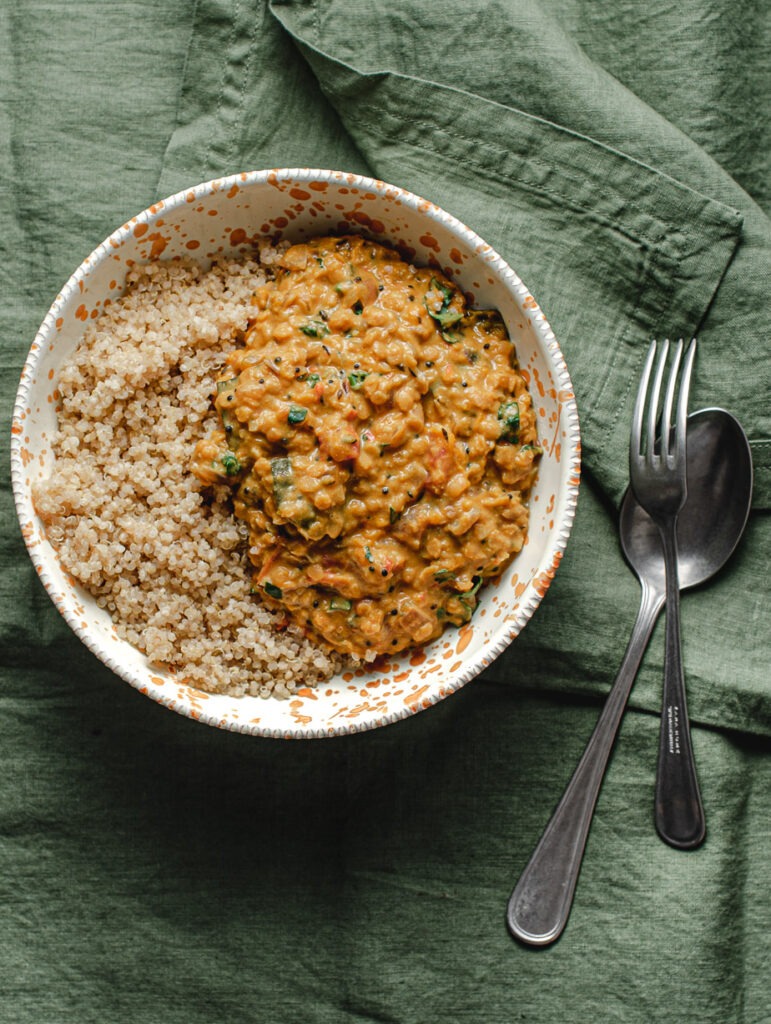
x: 161, y: 552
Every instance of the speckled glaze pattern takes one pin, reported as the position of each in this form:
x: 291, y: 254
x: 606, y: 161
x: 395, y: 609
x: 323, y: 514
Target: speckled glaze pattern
x: 225, y: 217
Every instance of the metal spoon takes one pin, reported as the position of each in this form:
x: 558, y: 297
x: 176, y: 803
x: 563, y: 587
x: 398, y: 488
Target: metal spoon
x: 719, y: 471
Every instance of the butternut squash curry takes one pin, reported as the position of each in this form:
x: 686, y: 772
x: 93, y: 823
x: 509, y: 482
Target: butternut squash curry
x: 380, y: 443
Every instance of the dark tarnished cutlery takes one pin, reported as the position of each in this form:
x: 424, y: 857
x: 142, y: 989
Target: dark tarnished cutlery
x: 710, y: 524
x: 658, y: 478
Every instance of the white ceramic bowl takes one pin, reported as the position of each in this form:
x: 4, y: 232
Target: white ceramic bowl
x: 222, y: 217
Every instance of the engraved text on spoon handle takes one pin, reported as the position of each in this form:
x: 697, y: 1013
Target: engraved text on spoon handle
x: 679, y: 813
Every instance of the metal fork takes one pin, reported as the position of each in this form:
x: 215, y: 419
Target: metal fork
x: 657, y: 474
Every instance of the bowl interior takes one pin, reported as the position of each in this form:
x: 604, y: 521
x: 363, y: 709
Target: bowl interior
x: 226, y: 217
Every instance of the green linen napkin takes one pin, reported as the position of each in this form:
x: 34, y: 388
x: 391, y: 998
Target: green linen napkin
x: 153, y: 870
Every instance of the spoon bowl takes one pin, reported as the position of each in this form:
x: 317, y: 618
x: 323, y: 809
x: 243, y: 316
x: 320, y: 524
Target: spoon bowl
x: 719, y: 464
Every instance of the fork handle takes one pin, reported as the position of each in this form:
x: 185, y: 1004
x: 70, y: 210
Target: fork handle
x: 538, y: 908
x: 679, y: 813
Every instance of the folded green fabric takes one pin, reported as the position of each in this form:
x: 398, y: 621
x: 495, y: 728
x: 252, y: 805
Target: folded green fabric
x: 154, y: 870
x: 616, y: 252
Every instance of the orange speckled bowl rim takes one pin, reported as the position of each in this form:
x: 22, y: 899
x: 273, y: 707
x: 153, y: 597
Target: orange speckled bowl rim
x: 568, y: 480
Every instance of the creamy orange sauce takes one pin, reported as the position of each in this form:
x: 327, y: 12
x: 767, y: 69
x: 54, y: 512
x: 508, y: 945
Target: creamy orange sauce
x: 380, y: 442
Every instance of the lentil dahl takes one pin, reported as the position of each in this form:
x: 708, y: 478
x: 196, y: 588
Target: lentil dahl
x: 380, y: 442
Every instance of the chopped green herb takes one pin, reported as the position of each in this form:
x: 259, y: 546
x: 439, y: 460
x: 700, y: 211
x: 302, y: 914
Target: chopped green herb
x: 393, y: 514
x: 315, y: 329
x: 536, y: 448
x: 357, y: 307
x: 273, y: 591
x: 339, y: 604
x: 471, y: 355
x: 356, y: 379
x: 469, y: 596
x: 474, y: 588
x: 226, y: 385
x: 368, y: 554
x: 444, y: 316
x: 230, y: 464
x: 440, y: 613
x: 446, y: 291
x: 281, y: 470
x: 320, y: 261
x: 313, y: 379
x: 443, y: 574
x: 296, y: 414
x: 509, y: 414
x: 284, y: 491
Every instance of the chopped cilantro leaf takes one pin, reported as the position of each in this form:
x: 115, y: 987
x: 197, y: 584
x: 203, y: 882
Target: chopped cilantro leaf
x: 315, y: 329
x: 230, y: 464
x: 509, y: 414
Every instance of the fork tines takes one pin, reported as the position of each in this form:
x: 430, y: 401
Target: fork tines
x: 658, y: 436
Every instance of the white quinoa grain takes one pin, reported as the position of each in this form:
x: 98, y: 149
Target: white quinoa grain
x: 128, y: 518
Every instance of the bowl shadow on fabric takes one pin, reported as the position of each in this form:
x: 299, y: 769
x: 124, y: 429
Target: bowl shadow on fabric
x: 185, y: 807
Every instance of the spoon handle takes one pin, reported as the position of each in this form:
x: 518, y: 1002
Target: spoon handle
x: 679, y: 813
x: 540, y: 904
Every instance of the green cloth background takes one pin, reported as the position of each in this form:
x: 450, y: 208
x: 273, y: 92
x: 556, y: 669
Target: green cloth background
x: 153, y: 870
